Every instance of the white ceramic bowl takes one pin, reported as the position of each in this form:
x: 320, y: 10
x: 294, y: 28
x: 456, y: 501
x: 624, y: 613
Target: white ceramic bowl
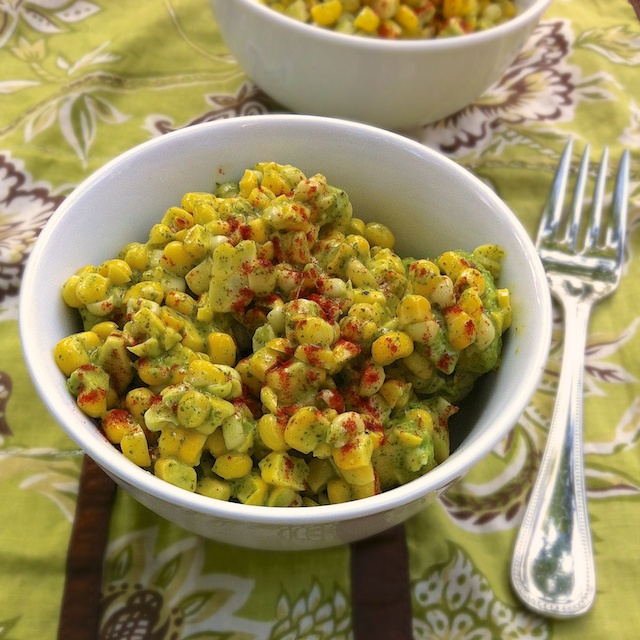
x: 395, y: 84
x: 430, y: 203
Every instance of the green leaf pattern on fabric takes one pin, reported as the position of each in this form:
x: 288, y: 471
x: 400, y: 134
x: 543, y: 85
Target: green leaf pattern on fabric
x: 171, y: 590
x: 454, y: 601
x: 83, y: 81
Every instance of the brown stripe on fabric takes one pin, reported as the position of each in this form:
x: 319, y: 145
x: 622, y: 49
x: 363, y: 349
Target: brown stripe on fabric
x: 79, y: 618
x: 636, y: 7
x: 380, y: 590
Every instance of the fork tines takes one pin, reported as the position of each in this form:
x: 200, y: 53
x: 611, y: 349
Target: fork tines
x: 569, y: 227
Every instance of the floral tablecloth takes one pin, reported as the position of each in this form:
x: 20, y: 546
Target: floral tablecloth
x: 82, y: 81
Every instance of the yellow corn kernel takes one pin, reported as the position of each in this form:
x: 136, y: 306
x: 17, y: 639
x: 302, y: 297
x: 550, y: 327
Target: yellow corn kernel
x: 305, y: 429
x: 364, y: 311
x: 71, y: 352
x: 196, y: 242
x: 95, y: 402
x: 213, y: 487
x: 147, y: 290
x: 104, y: 329
x: 439, y: 290
x: 192, y: 199
x: 320, y: 472
x: 160, y: 234
x: 422, y: 332
x: 490, y: 256
x: 193, y: 409
x: 262, y: 278
x: 451, y: 8
x: 176, y: 259
x: 386, y: 9
x: 269, y: 398
x: 171, y: 320
x: 69, y: 292
x: 258, y: 231
x: 92, y: 287
x: 248, y: 183
x: 407, y: 19
x: 390, y: 347
x: 338, y: 490
x: 359, y: 491
x: 368, y: 296
x: 313, y: 330
x: 423, y: 277
x: 152, y: 373
x: 376, y: 233
x: 219, y: 411
x: 221, y: 348
x: 344, y: 428
x: 116, y: 424
x: 233, y: 465
x: 280, y: 469
x: 275, y: 182
x: 422, y: 418
x: 252, y: 490
x: 177, y: 473
x: 356, y: 225
x: 266, y: 251
x: 504, y: 302
x: 470, y: 278
x: 202, y: 373
x: 508, y: 8
x: 359, y: 275
x: 327, y: 13
x: 283, y: 497
x: 260, y: 198
x: 356, y: 453
x: 136, y: 255
x: 461, y: 328
x: 485, y: 332
x: 408, y: 439
x: 186, y: 445
x: 396, y: 392
x: 367, y: 20
x: 177, y: 219
x: 116, y: 271
x: 137, y: 401
x: 261, y: 361
x: 360, y: 245
x: 344, y: 351
x: 419, y: 365
x: 452, y: 263
x: 316, y: 356
x: 471, y: 303
x: 215, y: 443
x: 180, y: 302
x: 248, y: 379
x: 412, y: 309
x: 359, y: 476
x: 371, y: 379
x: 281, y: 345
x: 219, y: 228
x: 135, y: 447
x: 198, y: 279
x: 271, y: 432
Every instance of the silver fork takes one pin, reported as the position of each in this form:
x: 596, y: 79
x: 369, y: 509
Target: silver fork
x: 552, y: 568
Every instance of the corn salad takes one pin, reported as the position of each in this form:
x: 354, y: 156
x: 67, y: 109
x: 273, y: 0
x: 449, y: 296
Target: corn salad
x: 398, y: 19
x: 267, y: 347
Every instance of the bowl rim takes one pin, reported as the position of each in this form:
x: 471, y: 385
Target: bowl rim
x: 437, y: 479
x: 333, y: 38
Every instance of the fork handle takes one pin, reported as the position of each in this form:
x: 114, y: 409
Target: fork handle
x: 553, y: 568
